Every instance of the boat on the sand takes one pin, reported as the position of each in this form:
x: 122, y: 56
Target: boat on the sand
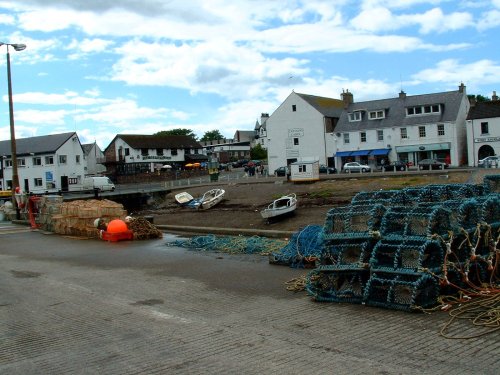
x: 280, y: 207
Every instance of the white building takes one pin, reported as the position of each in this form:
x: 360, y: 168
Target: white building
x: 483, y: 130
x: 45, y: 163
x: 406, y: 128
x: 94, y: 159
x: 130, y: 154
x: 260, y: 131
x: 300, y: 130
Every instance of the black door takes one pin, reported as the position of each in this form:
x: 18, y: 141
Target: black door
x: 64, y: 183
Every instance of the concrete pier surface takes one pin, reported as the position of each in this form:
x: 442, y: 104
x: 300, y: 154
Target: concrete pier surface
x: 76, y: 306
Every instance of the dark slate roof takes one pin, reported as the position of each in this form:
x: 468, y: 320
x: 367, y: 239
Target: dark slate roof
x: 395, y: 111
x: 44, y: 144
x: 138, y: 141
x: 326, y: 106
x: 87, y: 147
x: 488, y: 109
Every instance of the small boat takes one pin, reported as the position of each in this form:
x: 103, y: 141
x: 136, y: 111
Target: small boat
x: 183, y: 198
x: 280, y: 207
x: 207, y: 200
x: 211, y: 198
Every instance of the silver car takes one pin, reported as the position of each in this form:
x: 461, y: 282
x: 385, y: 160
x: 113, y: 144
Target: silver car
x: 356, y: 167
x: 489, y: 162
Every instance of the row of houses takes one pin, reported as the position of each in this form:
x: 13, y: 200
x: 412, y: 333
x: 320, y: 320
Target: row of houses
x: 59, y: 162
x: 304, y: 127
x: 444, y: 125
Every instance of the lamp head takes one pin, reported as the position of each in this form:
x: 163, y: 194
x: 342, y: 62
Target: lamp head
x: 19, y: 47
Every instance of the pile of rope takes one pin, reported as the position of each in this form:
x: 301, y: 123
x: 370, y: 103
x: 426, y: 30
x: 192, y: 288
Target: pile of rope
x: 143, y: 229
x: 230, y: 244
x: 303, y: 249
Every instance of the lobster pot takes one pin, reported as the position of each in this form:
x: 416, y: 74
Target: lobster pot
x: 351, y: 253
x: 491, y: 184
x: 490, y: 210
x: 418, y: 222
x: 469, y: 214
x: 407, y: 255
x: 329, y: 284
x: 408, y: 292
x: 384, y: 197
x: 353, y: 221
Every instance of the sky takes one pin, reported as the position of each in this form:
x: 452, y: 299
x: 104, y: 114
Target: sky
x: 108, y: 67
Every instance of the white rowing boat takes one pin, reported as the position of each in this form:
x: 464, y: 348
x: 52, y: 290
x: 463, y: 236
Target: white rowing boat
x: 281, y: 206
x: 206, y: 201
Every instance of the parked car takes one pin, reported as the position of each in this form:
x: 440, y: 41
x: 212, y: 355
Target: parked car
x: 356, y: 167
x: 281, y: 171
x: 489, y: 162
x: 325, y: 169
x: 397, y: 165
x: 432, y: 164
x: 240, y: 163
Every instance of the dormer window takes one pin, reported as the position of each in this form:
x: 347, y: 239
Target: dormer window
x: 423, y: 110
x: 376, y: 115
x: 355, y: 116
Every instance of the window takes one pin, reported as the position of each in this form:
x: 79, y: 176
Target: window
x: 375, y: 115
x: 295, y: 141
x: 62, y: 159
x: 404, y: 133
x: 77, y: 159
x: 173, y: 152
x: 484, y: 128
x: 302, y: 168
x: 21, y: 162
x: 355, y: 116
x: 159, y: 151
x: 362, y: 136
x: 49, y: 160
x: 37, y: 160
x: 421, y: 131
x: 380, y: 135
x: 8, y: 163
x: 144, y: 152
x: 294, y: 108
x: 346, y: 138
x: 424, y: 109
x: 127, y: 151
x: 440, y: 129
x: 38, y: 182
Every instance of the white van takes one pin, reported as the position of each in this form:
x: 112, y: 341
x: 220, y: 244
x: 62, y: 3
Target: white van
x: 100, y: 183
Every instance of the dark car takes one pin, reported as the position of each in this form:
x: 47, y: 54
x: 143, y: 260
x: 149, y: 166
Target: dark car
x: 281, y: 171
x: 394, y: 166
x: 325, y: 169
x: 432, y: 164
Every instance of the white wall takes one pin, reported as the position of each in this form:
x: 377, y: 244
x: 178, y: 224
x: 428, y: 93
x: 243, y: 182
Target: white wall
x: 306, y: 124
x: 475, y: 140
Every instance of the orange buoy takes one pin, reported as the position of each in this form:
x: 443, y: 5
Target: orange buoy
x: 117, y: 226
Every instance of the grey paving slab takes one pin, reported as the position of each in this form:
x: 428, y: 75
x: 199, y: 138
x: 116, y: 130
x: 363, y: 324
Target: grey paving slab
x: 70, y: 306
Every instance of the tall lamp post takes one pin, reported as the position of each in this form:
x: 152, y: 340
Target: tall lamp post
x: 15, y: 176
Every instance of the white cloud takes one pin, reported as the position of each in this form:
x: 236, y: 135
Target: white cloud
x: 68, y: 98
x: 452, y: 71
x: 45, y: 118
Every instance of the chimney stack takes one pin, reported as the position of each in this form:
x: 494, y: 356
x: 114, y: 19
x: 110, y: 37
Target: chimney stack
x: 494, y: 97
x: 402, y: 95
x: 347, y: 98
x: 461, y: 88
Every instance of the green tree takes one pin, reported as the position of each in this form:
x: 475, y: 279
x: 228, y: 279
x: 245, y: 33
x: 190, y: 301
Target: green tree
x: 212, y: 135
x: 178, y: 131
x: 478, y: 98
x: 258, y: 153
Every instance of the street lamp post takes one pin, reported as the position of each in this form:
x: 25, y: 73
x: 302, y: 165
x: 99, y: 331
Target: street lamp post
x: 15, y: 176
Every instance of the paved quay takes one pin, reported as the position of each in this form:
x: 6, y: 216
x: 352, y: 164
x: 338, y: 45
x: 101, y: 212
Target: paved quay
x: 76, y: 306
